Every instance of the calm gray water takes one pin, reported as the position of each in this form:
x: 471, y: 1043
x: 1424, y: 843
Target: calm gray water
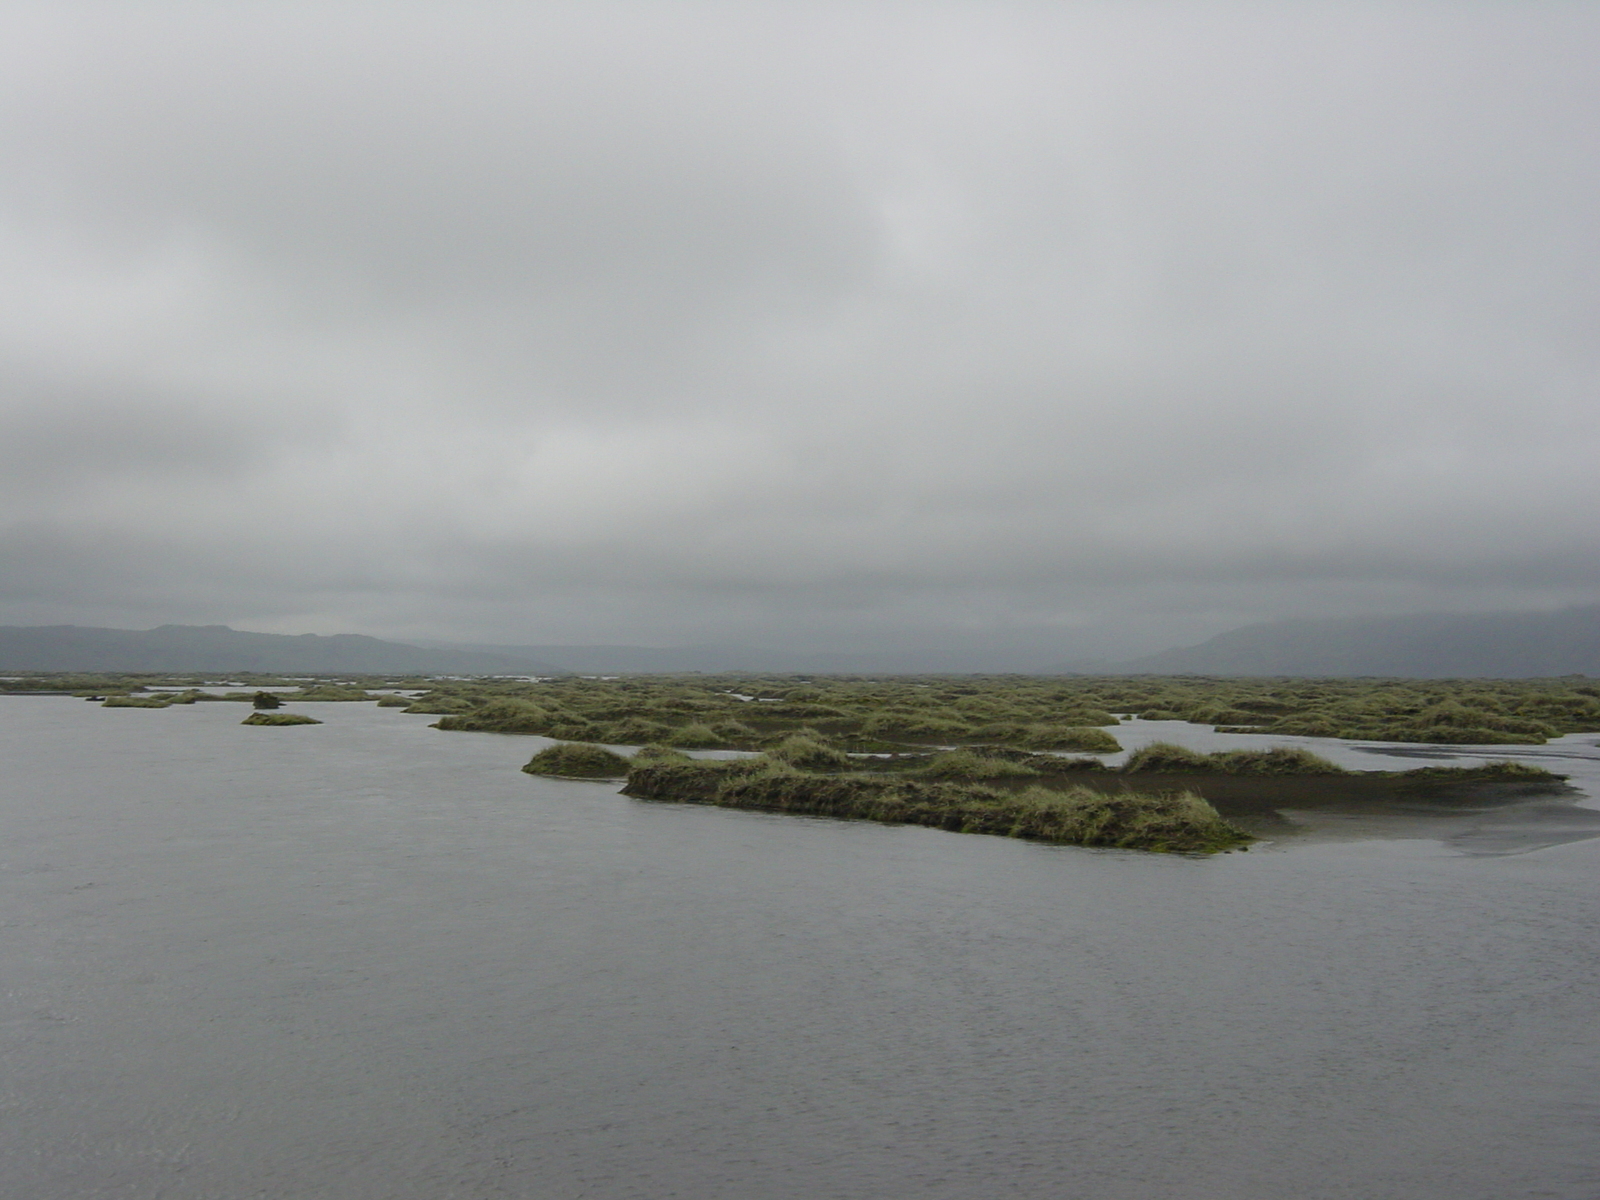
x: 370, y: 959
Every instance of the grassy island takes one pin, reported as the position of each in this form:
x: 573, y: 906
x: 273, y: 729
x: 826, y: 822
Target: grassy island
x: 279, y: 718
x: 1170, y: 799
x: 1069, y: 714
x: 154, y: 701
x: 577, y: 760
x: 1021, y: 755
x: 1178, y: 822
x: 1072, y: 715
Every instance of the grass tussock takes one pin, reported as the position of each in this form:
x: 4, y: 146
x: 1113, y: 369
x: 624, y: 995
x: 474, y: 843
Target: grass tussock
x: 970, y: 764
x: 657, y: 753
x: 279, y: 718
x: 806, y: 752
x: 577, y: 760
x: 331, y: 692
x: 892, y: 714
x: 1492, y: 772
x: 1280, y: 760
x: 1081, y: 739
x: 1166, y: 757
x: 137, y: 702
x: 1181, y: 823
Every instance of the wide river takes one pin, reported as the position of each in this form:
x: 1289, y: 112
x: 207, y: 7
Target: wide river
x: 368, y: 959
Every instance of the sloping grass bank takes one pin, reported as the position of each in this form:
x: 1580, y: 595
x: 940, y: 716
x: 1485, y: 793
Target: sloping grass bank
x: 577, y: 760
x: 1179, y: 822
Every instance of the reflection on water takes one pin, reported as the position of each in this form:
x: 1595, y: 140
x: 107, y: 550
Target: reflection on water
x: 368, y: 959
x: 1471, y: 827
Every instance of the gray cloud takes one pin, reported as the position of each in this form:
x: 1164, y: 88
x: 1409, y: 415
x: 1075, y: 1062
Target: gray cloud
x: 1086, y: 326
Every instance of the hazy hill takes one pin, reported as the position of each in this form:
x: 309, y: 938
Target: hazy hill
x: 1432, y: 646
x: 672, y: 660
x: 1506, y: 645
x: 217, y: 648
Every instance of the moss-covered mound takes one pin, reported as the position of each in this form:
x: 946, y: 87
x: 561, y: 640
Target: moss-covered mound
x: 331, y: 692
x: 970, y: 764
x: 1503, y: 770
x: 657, y: 753
x: 1280, y: 760
x: 137, y: 702
x: 805, y: 752
x: 887, y: 715
x: 279, y: 718
x: 1082, y: 739
x: 1182, y: 823
x: 577, y: 760
x: 1483, y: 785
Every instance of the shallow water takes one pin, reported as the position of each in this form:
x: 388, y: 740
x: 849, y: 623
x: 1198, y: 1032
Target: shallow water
x: 370, y: 959
x: 1570, y: 814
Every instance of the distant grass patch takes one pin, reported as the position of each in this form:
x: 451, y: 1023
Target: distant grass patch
x: 331, y: 692
x: 890, y: 714
x: 577, y: 760
x: 137, y: 702
x: 279, y: 718
x: 496, y: 716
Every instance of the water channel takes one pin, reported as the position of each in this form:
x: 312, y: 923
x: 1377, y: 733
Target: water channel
x: 368, y: 959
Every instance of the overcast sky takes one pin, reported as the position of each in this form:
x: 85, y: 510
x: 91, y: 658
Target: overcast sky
x: 1098, y: 327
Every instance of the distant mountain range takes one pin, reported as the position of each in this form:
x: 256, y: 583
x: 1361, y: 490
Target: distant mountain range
x: 644, y: 660
x: 1430, y: 646
x: 216, y: 648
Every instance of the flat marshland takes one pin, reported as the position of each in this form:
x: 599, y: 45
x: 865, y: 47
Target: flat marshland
x: 1017, y: 756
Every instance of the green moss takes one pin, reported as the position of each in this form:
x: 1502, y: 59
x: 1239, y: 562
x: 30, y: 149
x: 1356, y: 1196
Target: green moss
x: 331, y: 692
x: 577, y: 760
x: 1085, y: 716
x: 1166, y: 756
x: 444, y: 703
x: 1170, y: 823
x: 658, y: 754
x: 882, y: 714
x: 805, y: 752
x: 632, y: 731
x: 912, y: 726
x: 695, y: 736
x: 968, y: 764
x: 1081, y: 739
x: 500, y: 716
x: 279, y: 718
x: 1507, y: 770
x: 1280, y: 760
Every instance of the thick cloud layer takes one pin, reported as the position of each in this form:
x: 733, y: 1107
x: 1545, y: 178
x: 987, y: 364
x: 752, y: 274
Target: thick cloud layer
x: 1085, y: 327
